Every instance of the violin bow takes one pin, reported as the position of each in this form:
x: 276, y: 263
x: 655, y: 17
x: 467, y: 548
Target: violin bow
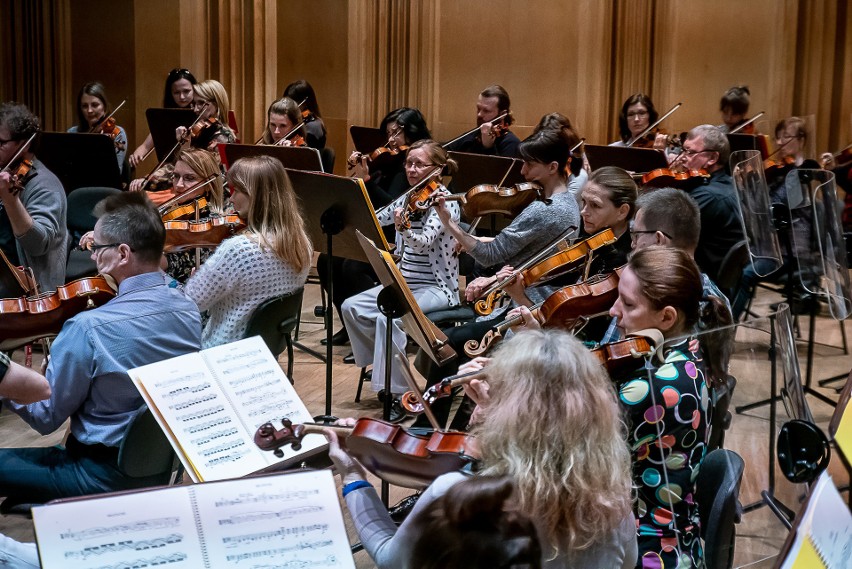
x: 19, y: 152
x: 289, y: 134
x: 176, y: 200
x: 109, y: 116
x: 748, y: 122
x: 633, y: 140
x: 471, y: 131
x: 426, y: 179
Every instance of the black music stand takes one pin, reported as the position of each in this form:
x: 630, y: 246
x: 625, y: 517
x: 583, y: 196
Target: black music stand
x: 293, y: 157
x: 366, y: 139
x: 475, y: 169
x: 740, y: 141
x: 80, y: 160
x: 630, y: 159
x: 162, y: 124
x: 335, y: 206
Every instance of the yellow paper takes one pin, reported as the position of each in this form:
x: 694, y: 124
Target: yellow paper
x: 843, y: 437
x: 808, y: 558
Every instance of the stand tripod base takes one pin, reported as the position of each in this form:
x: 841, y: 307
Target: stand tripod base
x: 782, y: 512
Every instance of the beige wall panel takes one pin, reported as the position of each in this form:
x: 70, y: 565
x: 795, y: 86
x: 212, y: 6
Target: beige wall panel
x: 710, y: 50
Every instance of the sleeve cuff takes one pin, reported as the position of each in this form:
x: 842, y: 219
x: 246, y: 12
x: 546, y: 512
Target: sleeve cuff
x: 355, y: 485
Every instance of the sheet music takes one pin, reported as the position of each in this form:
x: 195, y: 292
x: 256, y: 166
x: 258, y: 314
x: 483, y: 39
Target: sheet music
x: 211, y: 403
x: 290, y: 520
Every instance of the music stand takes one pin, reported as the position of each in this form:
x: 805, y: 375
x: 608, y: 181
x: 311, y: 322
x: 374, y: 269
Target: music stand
x: 475, y: 169
x: 293, y: 157
x: 739, y: 141
x: 80, y: 160
x: 335, y: 206
x: 162, y: 124
x: 366, y: 138
x: 630, y: 159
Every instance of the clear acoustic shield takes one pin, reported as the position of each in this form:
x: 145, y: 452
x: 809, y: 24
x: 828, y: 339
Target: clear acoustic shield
x: 750, y: 182
x: 816, y: 238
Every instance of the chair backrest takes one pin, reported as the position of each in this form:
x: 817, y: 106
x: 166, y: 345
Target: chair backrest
x: 327, y: 156
x: 732, y: 266
x: 720, y: 421
x: 717, y: 493
x: 145, y: 450
x: 275, y: 319
x: 81, y: 203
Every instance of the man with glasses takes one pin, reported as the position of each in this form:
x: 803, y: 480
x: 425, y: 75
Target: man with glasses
x: 33, y: 231
x: 707, y: 148
x: 145, y: 323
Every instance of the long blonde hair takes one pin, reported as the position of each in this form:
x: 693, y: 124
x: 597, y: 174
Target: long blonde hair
x: 205, y: 164
x: 212, y: 90
x: 274, y: 216
x: 554, y: 426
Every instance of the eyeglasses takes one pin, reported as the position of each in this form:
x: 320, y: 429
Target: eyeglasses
x: 635, y: 114
x: 417, y: 165
x: 188, y: 179
x: 690, y: 153
x: 95, y: 248
x: 635, y: 232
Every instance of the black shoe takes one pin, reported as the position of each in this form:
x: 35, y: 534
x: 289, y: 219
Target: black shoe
x: 380, y: 394
x: 340, y: 338
x: 400, y: 511
x: 349, y: 358
x: 397, y: 412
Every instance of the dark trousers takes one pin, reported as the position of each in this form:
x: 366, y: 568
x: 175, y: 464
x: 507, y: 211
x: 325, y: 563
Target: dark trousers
x: 350, y: 278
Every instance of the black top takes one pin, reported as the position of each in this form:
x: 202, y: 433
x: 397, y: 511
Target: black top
x: 506, y: 145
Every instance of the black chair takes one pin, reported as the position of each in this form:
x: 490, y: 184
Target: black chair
x: 717, y: 494
x: 327, y: 159
x: 720, y: 421
x: 731, y: 269
x: 274, y: 321
x: 80, y: 220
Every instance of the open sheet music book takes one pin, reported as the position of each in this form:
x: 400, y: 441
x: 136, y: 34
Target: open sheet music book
x: 210, y: 403
x: 822, y: 534
x: 287, y: 520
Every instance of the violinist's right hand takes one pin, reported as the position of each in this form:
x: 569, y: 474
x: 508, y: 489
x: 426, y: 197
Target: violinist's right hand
x: 827, y: 160
x: 486, y: 133
x: 87, y: 240
x: 180, y: 132
x: 358, y: 163
x: 137, y: 185
x: 137, y: 156
x: 475, y: 287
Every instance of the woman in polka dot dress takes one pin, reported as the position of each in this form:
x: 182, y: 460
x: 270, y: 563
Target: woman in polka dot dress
x: 666, y: 404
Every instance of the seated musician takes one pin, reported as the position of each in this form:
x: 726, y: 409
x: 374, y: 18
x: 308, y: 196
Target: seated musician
x: 270, y: 258
x: 403, y: 127
x: 661, y: 288
x: 33, y: 231
x: 539, y: 431
x: 300, y: 90
x: 145, y: 323
x: 210, y: 102
x: 281, y: 119
x: 92, y: 109
x: 178, y: 95
x: 707, y: 148
x: 637, y: 114
x: 493, y: 137
x: 734, y: 108
x: 428, y: 264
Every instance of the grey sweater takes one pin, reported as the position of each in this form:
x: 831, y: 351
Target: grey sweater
x: 44, y: 247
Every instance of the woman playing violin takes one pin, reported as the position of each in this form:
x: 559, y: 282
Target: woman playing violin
x: 92, y: 105
x: 210, y: 102
x: 570, y: 465
x: 734, y: 108
x: 661, y: 289
x: 178, y: 95
x: 281, y: 119
x: 637, y: 113
x: 428, y: 264
x: 270, y: 258
x: 299, y: 91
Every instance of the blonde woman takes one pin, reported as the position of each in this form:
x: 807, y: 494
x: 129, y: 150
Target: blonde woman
x: 551, y: 424
x: 271, y: 257
x: 210, y: 101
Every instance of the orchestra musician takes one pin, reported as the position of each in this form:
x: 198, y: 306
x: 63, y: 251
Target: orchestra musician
x: 300, y: 90
x: 146, y: 322
x: 33, y: 229
x: 178, y: 94
x: 428, y: 264
x: 637, y: 113
x: 493, y: 137
x: 734, y: 108
x: 270, y: 258
x: 212, y: 94
x: 92, y: 105
x: 281, y: 119
x: 570, y: 464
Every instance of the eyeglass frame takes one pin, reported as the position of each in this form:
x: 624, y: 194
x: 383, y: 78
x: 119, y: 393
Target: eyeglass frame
x: 95, y: 248
x: 635, y: 232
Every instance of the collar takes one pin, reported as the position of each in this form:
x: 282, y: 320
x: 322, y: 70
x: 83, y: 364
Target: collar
x: 141, y: 282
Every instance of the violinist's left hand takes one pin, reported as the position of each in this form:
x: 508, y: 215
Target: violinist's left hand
x: 486, y: 133
x: 8, y: 191
x: 397, y: 219
x: 530, y: 321
x: 87, y: 240
x: 661, y: 142
x: 350, y: 470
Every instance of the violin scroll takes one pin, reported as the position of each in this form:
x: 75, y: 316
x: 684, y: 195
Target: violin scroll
x: 269, y: 438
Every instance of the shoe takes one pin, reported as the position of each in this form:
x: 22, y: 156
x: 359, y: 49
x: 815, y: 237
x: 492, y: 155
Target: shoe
x: 400, y: 511
x: 349, y: 358
x: 380, y: 395
x: 340, y: 338
x: 397, y: 412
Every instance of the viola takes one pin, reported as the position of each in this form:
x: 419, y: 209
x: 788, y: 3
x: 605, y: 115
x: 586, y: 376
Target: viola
x: 490, y: 198
x: 43, y: 315
x: 443, y: 388
x: 388, y: 451
x: 563, y: 309
x: 623, y: 355
x: 541, y: 270
x: 207, y: 233
x: 669, y: 178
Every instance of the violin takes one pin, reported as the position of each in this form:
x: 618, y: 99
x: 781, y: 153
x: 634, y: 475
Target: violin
x: 490, y: 198
x: 200, y: 127
x: 669, y: 178
x: 174, y: 208
x: 388, y: 451
x: 207, y: 233
x: 622, y: 356
x: 563, y: 309
x: 443, y: 388
x: 43, y: 315
x: 840, y: 158
x: 291, y: 137
x: 540, y: 270
x: 418, y: 197
x: 778, y: 168
x: 382, y: 158
x: 643, y: 140
x: 498, y: 128
x: 19, y: 168
x: 108, y: 127
x: 182, y: 211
